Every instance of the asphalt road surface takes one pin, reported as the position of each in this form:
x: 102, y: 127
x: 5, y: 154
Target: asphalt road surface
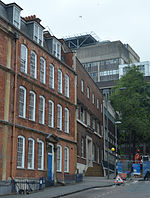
x: 137, y: 189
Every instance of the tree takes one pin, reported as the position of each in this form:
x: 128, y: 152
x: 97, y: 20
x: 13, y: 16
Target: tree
x: 131, y: 98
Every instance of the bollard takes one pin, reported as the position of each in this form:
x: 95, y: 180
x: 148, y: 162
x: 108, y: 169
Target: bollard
x: 40, y: 183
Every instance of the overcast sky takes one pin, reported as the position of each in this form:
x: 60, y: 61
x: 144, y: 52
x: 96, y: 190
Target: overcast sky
x: 124, y: 20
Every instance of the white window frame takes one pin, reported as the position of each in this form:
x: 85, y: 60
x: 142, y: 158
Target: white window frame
x: 24, y: 59
x: 16, y: 17
x: 42, y: 110
x: 38, y: 34
x: 59, y: 81
x: 31, y: 154
x: 88, y: 119
x: 22, y: 152
x: 97, y: 103
x: 88, y: 92
x: 51, y: 113
x: 41, y: 156
x: 94, y: 121
x: 51, y: 76
x: 42, y: 70
x: 33, y: 65
x: 82, y: 146
x: 59, y: 160
x: 82, y: 86
x: 93, y: 98
x: 93, y: 152
x: 82, y: 115
x: 22, y: 104
x: 32, y: 105
x: 59, y: 117
x: 56, y: 50
x: 66, y: 160
x: 66, y: 85
x: 66, y: 120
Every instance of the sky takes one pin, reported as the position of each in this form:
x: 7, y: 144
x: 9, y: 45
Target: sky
x: 124, y: 20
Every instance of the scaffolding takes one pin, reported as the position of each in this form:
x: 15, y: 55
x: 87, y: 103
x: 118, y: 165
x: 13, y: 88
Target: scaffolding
x: 81, y: 40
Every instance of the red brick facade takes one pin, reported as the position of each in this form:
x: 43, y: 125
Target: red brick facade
x: 10, y: 129
x: 27, y: 146
x: 91, y: 135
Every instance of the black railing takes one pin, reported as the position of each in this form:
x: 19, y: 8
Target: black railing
x: 25, y: 186
x: 111, y: 166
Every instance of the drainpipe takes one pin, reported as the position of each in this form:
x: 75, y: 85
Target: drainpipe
x: 13, y: 162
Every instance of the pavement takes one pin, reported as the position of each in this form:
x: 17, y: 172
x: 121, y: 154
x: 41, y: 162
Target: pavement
x: 58, y: 191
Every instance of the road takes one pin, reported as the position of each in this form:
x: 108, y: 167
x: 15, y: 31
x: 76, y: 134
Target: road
x: 137, y: 189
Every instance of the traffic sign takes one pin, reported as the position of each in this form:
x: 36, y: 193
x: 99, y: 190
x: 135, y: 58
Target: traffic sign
x: 118, y: 180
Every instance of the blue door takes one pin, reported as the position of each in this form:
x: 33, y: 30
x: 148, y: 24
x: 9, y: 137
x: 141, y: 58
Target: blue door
x: 50, y: 168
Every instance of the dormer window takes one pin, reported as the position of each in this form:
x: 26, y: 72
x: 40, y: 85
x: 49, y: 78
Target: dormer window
x: 16, y: 17
x: 13, y: 14
x: 38, y: 34
x: 56, y: 49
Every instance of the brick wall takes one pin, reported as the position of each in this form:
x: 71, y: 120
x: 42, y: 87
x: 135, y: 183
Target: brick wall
x: 83, y: 131
x: 25, y: 127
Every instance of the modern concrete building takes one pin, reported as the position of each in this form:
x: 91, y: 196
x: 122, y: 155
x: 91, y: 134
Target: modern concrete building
x: 102, y: 59
x: 144, y: 68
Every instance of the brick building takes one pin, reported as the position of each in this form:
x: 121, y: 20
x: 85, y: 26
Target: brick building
x: 89, y: 124
x: 37, y: 86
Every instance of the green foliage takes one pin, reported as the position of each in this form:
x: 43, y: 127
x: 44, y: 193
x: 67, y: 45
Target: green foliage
x: 131, y: 98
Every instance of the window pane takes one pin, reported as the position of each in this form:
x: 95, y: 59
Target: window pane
x: 66, y: 165
x: 16, y: 21
x: 41, y: 109
x: 22, y: 102
x: 23, y: 67
x: 82, y: 85
x: 40, y: 36
x: 51, y: 114
x: 59, y: 157
x: 20, y: 152
x: 59, y: 81
x: 30, y: 154
x: 40, y: 155
x: 33, y: 66
x: 42, y: 70
x: 59, y: 117
x: 66, y: 85
x: 51, y: 76
x: 66, y: 120
x: 82, y: 147
x: 36, y: 32
x: 32, y: 106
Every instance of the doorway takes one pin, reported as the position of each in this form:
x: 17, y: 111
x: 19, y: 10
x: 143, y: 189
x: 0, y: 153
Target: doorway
x: 51, y: 162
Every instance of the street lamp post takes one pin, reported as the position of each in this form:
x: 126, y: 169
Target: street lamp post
x: 106, y: 92
x: 116, y: 137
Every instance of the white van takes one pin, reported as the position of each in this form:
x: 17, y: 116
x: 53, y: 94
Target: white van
x: 145, y: 158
